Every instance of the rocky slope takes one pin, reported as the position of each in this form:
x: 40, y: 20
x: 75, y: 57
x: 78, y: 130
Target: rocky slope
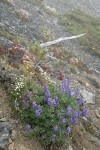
x: 34, y: 21
x: 22, y: 21
x: 91, y: 7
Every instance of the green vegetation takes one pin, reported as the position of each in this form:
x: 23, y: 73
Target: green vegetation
x: 49, y: 112
x: 77, y: 22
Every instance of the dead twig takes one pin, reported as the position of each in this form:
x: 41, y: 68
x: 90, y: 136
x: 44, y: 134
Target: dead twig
x: 60, y: 40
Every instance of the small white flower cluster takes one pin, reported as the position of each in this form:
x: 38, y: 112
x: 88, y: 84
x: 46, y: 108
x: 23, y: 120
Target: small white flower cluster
x: 19, y: 84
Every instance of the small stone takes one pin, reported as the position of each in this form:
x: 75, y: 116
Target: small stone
x: 89, y: 97
x: 87, y: 84
x: 13, y: 135
x: 85, y: 119
x: 70, y: 147
x: 2, y: 119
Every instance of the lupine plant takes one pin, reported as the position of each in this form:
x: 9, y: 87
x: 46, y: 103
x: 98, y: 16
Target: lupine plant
x: 50, y: 112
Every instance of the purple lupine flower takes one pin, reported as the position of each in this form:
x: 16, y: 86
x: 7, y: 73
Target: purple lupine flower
x: 68, y: 130
x: 75, y: 114
x: 52, y: 103
x: 46, y: 92
x: 27, y: 128
x: 79, y: 102
x: 62, y: 121
x: 53, y: 137
x: 47, y: 95
x: 29, y: 94
x: 16, y: 104
x: 75, y: 117
x: 75, y: 121
x: 39, y: 108
x: 56, y: 99
x: 70, y: 120
x: 25, y: 103
x: 76, y: 93
x: 34, y: 105
x: 65, y: 83
x: 68, y: 110
x: 38, y: 113
x: 84, y: 112
x: 55, y: 128
x: 45, y: 87
x: 68, y: 90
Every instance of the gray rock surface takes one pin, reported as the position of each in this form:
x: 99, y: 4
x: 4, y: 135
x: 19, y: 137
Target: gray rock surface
x: 5, y: 127
x: 96, y: 141
x: 89, y: 97
x: 13, y: 135
x: 91, y: 7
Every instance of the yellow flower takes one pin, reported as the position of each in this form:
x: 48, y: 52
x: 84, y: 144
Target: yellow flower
x: 9, y: 49
x: 27, y: 67
x: 91, y: 127
x: 49, y: 83
x: 31, y: 73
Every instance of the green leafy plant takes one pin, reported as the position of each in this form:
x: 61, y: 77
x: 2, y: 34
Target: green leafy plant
x: 49, y: 112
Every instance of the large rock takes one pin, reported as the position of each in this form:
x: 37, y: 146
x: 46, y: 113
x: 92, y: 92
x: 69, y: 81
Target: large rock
x: 89, y: 97
x: 96, y: 141
x: 5, y: 128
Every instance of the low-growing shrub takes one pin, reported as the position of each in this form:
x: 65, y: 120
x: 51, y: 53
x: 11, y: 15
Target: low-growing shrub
x: 49, y: 112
